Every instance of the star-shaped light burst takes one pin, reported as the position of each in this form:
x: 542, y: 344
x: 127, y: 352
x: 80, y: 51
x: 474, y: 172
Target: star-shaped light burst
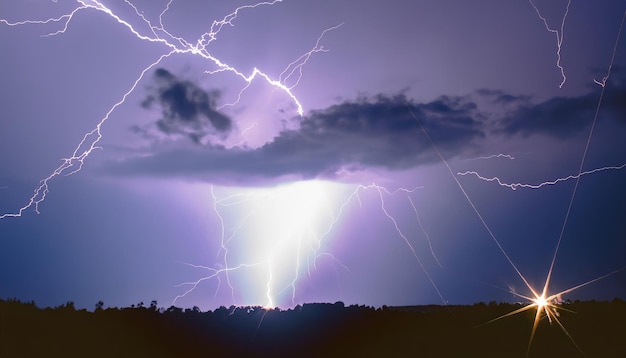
x: 547, y: 305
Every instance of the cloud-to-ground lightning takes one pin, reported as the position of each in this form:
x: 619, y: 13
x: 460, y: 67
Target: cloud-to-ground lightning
x: 302, y: 242
x: 175, y: 45
x: 304, y: 247
x: 287, y: 80
x: 299, y: 204
x: 559, y: 36
x: 515, y: 186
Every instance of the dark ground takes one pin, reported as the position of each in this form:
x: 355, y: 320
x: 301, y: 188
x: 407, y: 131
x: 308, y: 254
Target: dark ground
x: 312, y: 330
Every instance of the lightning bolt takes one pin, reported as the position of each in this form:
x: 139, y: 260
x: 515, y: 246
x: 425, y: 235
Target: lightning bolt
x: 559, y: 36
x: 175, y: 45
x: 305, y: 246
x: 515, y: 186
x: 294, y: 69
x: 406, y: 240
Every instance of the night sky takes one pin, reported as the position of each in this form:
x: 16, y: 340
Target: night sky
x: 193, y: 184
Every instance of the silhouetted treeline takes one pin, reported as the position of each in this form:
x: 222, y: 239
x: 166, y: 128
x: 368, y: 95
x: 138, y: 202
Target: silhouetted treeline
x: 311, y: 330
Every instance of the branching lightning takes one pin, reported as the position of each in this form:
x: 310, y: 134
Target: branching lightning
x: 287, y: 80
x: 559, y: 36
x: 294, y: 69
x: 306, y: 245
x: 176, y: 45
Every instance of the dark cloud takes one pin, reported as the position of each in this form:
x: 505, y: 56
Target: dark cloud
x: 562, y: 117
x: 502, y: 98
x: 186, y: 109
x: 377, y: 132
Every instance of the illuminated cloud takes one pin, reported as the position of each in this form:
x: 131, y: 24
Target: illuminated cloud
x: 376, y: 132
x: 371, y: 132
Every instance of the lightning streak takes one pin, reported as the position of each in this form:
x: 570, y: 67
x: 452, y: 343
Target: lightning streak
x: 426, y: 235
x: 582, y: 162
x: 380, y: 190
x: 215, y: 274
x: 301, y: 195
x: 77, y: 159
x: 507, y: 156
x: 296, y: 66
x: 515, y: 186
x: 559, y: 36
x: 408, y: 243
x: 176, y: 45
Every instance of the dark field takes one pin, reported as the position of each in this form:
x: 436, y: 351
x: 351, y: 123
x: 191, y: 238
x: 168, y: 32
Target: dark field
x: 312, y: 330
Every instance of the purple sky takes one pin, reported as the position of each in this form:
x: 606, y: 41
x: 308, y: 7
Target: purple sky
x: 195, y: 181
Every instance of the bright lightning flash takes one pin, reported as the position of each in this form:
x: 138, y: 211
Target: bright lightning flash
x: 268, y: 235
x: 272, y: 237
x: 285, y: 220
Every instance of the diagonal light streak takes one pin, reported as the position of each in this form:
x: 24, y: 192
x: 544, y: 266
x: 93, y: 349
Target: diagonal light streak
x: 471, y: 203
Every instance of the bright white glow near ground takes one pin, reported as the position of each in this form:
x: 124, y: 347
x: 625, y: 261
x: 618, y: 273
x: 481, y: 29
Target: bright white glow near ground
x: 279, y: 231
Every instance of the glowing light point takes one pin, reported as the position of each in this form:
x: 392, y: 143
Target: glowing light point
x: 541, y: 302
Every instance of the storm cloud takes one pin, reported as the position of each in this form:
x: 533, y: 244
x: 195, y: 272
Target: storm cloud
x: 377, y: 132
x: 562, y: 117
x: 186, y: 109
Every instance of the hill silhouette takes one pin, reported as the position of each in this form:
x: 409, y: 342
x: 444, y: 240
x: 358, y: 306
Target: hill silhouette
x: 310, y: 330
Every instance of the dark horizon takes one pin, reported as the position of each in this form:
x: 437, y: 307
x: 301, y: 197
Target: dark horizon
x: 312, y: 330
